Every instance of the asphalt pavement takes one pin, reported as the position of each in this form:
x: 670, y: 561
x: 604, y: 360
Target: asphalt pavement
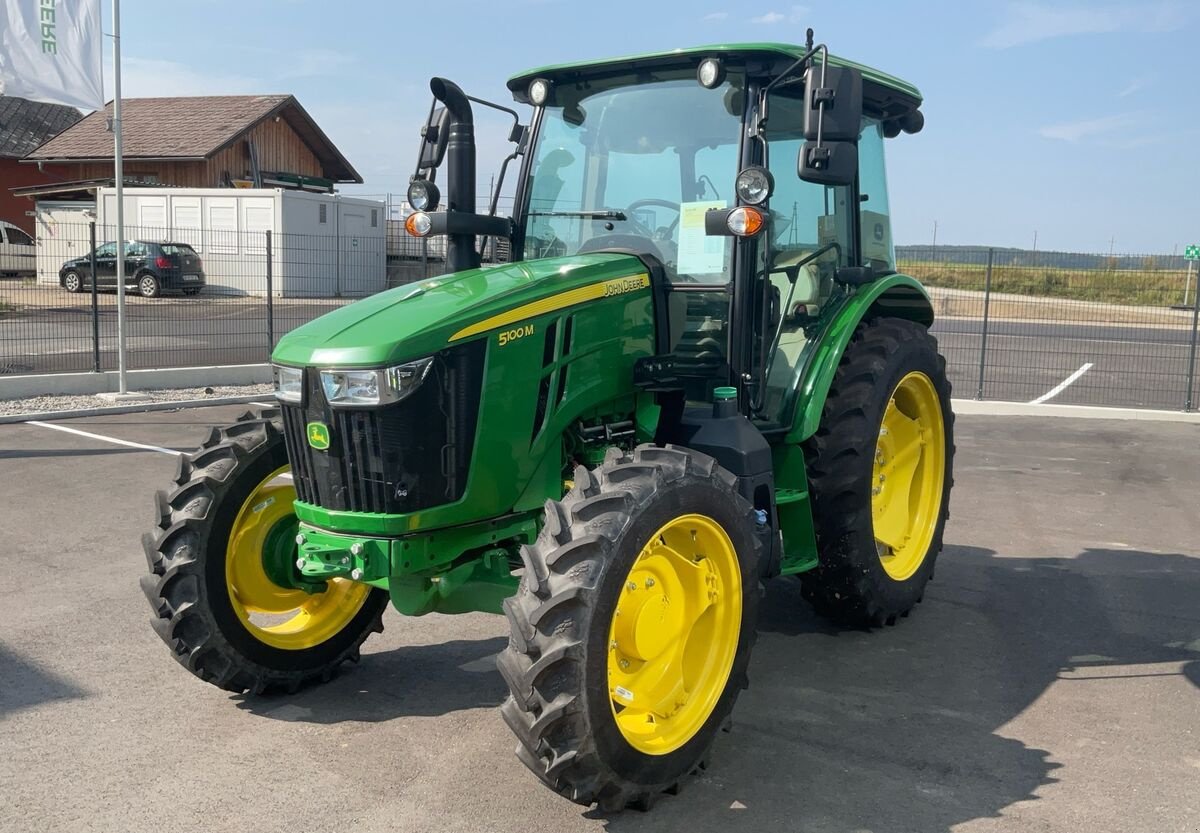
x: 1049, y: 682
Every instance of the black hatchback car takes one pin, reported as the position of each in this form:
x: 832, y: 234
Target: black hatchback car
x: 150, y: 268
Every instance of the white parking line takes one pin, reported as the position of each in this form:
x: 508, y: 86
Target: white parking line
x: 1063, y: 385
x: 103, y: 438
x: 116, y: 441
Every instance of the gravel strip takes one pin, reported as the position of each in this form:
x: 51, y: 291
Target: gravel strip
x: 40, y: 404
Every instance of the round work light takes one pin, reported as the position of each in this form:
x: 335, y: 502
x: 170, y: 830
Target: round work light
x: 711, y: 73
x: 423, y: 195
x: 754, y: 185
x: 539, y: 91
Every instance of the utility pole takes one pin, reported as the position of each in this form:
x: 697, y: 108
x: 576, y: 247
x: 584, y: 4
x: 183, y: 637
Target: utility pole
x: 935, y: 234
x: 119, y: 175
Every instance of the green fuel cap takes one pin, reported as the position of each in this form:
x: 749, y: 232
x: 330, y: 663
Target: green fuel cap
x: 725, y: 393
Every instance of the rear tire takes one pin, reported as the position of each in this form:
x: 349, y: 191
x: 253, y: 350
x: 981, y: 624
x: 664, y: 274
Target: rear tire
x: 189, y: 557
x: 855, y: 583
x: 559, y: 663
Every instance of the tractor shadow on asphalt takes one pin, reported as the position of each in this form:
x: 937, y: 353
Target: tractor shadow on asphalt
x: 24, y: 685
x: 416, y: 680
x: 904, y: 729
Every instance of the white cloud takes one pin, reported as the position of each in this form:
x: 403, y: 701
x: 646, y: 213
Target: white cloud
x: 716, y: 16
x: 150, y: 77
x: 1074, y: 131
x: 796, y: 14
x: 1027, y: 22
x: 1134, y: 85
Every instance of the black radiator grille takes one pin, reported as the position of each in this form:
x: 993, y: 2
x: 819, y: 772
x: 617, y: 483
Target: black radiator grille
x: 399, y: 458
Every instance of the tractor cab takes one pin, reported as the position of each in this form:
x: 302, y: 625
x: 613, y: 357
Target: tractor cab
x: 749, y: 180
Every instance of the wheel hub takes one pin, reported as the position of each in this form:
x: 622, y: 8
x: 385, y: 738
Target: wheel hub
x: 907, y: 476
x: 674, y: 634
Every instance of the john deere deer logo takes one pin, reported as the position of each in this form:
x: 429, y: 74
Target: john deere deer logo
x: 318, y: 435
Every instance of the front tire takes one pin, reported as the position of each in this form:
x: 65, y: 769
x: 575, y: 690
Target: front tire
x: 72, y: 282
x: 632, y: 627
x: 880, y: 470
x: 226, y: 536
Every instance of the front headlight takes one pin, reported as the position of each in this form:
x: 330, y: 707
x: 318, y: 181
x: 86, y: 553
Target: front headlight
x: 289, y: 383
x: 374, y: 387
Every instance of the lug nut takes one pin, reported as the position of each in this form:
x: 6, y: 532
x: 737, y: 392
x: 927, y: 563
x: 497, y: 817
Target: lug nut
x: 649, y: 583
x: 624, y: 664
x: 356, y: 549
x: 356, y: 574
x: 300, y: 562
x: 345, y: 560
x: 300, y: 538
x: 613, y: 644
x: 631, y: 586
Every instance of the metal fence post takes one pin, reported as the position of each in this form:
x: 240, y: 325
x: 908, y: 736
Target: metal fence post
x: 95, y: 300
x: 987, y: 297
x: 270, y: 298
x: 1190, y: 403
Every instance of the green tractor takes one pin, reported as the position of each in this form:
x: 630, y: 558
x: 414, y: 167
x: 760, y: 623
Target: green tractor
x: 697, y: 370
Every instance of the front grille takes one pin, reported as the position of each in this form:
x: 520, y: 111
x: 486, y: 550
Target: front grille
x: 414, y: 454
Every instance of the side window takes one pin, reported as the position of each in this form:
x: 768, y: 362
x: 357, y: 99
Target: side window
x: 107, y: 250
x: 876, y: 222
x: 133, y: 249
x: 18, y: 237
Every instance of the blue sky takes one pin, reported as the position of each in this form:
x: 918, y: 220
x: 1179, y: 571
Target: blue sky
x: 1074, y: 120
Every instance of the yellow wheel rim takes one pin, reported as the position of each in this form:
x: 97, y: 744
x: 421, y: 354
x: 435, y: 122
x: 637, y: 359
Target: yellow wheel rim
x: 908, y: 476
x: 282, y: 617
x: 674, y: 634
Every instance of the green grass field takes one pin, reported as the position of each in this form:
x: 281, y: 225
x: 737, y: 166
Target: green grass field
x: 1139, y: 287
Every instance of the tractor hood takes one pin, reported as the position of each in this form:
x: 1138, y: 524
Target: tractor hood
x: 421, y: 318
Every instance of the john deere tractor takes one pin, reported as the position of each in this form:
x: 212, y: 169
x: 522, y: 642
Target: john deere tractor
x: 693, y: 367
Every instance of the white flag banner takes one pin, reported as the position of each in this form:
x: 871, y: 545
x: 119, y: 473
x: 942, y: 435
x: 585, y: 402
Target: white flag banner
x: 51, y: 50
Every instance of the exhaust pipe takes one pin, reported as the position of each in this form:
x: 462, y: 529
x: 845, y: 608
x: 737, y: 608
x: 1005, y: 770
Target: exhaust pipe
x: 460, y: 170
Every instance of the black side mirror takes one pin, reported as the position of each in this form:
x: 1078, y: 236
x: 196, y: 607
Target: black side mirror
x: 840, y: 96
x: 830, y: 163
x: 434, y: 136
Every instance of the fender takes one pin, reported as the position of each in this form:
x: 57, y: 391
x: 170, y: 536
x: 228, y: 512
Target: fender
x: 897, y: 296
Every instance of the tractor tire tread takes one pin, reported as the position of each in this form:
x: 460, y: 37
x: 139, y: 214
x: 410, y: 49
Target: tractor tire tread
x: 550, y: 617
x: 175, y: 585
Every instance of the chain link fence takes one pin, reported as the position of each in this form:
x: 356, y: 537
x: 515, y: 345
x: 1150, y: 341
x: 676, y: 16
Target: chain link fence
x: 1117, y: 330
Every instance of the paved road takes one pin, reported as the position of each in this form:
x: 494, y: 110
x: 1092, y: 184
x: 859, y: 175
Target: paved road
x: 1129, y: 365
x: 1049, y: 682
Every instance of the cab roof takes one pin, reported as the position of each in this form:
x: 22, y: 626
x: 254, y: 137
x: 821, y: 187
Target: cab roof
x: 882, y: 92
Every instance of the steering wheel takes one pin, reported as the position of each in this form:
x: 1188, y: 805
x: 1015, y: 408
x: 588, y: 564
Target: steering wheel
x: 673, y: 206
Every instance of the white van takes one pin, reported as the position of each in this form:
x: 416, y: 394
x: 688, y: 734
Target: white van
x: 18, y: 258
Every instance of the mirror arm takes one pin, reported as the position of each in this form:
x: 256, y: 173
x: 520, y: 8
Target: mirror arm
x: 421, y: 147
x: 496, y: 196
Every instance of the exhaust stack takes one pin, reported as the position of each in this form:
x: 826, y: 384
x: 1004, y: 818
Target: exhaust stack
x: 460, y: 171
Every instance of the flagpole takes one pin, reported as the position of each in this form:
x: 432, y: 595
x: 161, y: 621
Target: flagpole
x: 118, y: 174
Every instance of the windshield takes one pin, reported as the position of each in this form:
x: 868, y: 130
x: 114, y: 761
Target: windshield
x: 634, y: 164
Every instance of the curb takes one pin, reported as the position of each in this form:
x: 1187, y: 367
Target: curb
x: 87, y: 383
x: 997, y: 408
x: 972, y: 407
x: 137, y: 408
